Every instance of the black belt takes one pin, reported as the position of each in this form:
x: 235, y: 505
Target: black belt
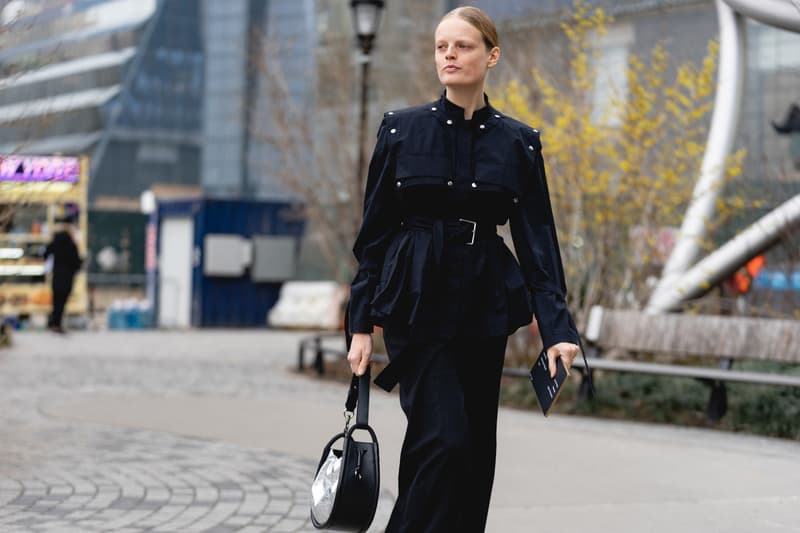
x: 453, y: 230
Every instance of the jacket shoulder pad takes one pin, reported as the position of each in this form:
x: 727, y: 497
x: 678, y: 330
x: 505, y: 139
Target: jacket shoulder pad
x: 529, y: 134
x: 410, y: 112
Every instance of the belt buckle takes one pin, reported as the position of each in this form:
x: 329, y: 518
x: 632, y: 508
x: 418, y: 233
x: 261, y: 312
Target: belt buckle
x: 474, y: 229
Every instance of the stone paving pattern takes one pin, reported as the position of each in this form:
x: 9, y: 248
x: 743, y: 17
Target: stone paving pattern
x: 57, y: 476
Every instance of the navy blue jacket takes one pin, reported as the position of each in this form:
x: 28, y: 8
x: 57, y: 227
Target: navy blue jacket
x: 430, y: 161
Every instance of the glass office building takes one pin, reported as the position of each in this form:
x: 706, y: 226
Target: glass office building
x: 155, y: 91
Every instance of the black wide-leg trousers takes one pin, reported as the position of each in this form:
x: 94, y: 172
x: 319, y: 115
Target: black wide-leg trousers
x: 449, y: 393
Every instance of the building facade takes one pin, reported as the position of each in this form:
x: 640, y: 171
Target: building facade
x: 155, y: 91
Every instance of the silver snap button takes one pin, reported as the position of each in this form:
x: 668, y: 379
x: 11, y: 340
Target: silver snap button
x: 449, y: 121
x: 392, y: 130
x: 482, y: 127
x: 390, y: 113
x: 497, y: 116
x: 535, y: 131
x: 433, y: 109
x: 530, y: 147
x: 449, y: 183
x: 474, y: 185
x: 398, y: 183
x: 516, y: 200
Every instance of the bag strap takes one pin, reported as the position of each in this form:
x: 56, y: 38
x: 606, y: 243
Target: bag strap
x: 588, y: 370
x: 588, y: 373
x: 358, y: 393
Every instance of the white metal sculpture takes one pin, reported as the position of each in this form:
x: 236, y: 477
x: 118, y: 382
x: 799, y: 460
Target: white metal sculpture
x: 676, y: 284
x: 725, y: 260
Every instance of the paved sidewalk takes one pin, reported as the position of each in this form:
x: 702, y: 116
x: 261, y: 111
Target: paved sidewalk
x: 212, y: 431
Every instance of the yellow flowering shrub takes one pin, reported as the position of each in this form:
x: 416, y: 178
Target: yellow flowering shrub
x: 618, y: 191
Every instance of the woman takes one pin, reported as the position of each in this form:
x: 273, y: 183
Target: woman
x: 447, y: 291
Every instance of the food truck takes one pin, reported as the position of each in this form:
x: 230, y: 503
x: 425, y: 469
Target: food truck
x: 37, y: 194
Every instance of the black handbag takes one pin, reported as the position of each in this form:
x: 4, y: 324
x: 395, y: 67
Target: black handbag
x: 344, y: 493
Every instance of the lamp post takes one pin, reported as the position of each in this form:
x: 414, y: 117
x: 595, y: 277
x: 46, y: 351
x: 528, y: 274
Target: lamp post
x: 366, y: 17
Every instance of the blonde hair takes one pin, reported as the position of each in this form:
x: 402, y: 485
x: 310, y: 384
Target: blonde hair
x: 480, y: 20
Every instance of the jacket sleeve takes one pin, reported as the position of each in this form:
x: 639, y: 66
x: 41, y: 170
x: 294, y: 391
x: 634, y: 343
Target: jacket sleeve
x: 379, y: 223
x: 533, y: 231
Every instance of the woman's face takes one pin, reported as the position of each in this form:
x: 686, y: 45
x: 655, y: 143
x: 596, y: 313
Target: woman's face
x: 461, y: 55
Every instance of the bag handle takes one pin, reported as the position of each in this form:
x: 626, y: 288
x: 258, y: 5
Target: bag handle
x: 358, y: 393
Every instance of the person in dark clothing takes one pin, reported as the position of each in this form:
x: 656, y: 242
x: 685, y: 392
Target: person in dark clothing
x: 66, y: 262
x: 444, y: 286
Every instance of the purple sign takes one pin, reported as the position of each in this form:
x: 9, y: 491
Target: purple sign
x: 40, y: 168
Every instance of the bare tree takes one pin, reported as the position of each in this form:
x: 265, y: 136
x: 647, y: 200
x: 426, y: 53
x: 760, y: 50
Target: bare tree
x: 316, y: 146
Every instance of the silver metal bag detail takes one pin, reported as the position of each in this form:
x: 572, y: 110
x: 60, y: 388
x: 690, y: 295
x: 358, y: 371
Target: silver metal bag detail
x: 323, y: 489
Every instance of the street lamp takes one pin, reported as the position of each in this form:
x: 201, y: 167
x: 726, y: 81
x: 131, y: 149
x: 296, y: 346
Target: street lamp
x: 366, y: 17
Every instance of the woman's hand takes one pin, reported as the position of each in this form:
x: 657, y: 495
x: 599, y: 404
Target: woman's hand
x: 360, y: 352
x: 566, y: 350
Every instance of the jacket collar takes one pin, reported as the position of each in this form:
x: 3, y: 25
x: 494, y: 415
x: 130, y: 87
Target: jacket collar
x: 447, y: 110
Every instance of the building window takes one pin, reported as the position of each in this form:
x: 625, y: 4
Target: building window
x: 611, y: 80
x: 775, y: 48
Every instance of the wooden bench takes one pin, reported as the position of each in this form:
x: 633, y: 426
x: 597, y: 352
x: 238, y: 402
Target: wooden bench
x: 723, y: 339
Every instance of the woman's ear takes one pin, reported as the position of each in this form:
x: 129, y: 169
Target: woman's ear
x: 494, y: 57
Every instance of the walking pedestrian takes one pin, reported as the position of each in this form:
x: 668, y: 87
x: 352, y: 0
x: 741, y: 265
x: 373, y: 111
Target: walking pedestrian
x: 443, y: 285
x: 65, y: 263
